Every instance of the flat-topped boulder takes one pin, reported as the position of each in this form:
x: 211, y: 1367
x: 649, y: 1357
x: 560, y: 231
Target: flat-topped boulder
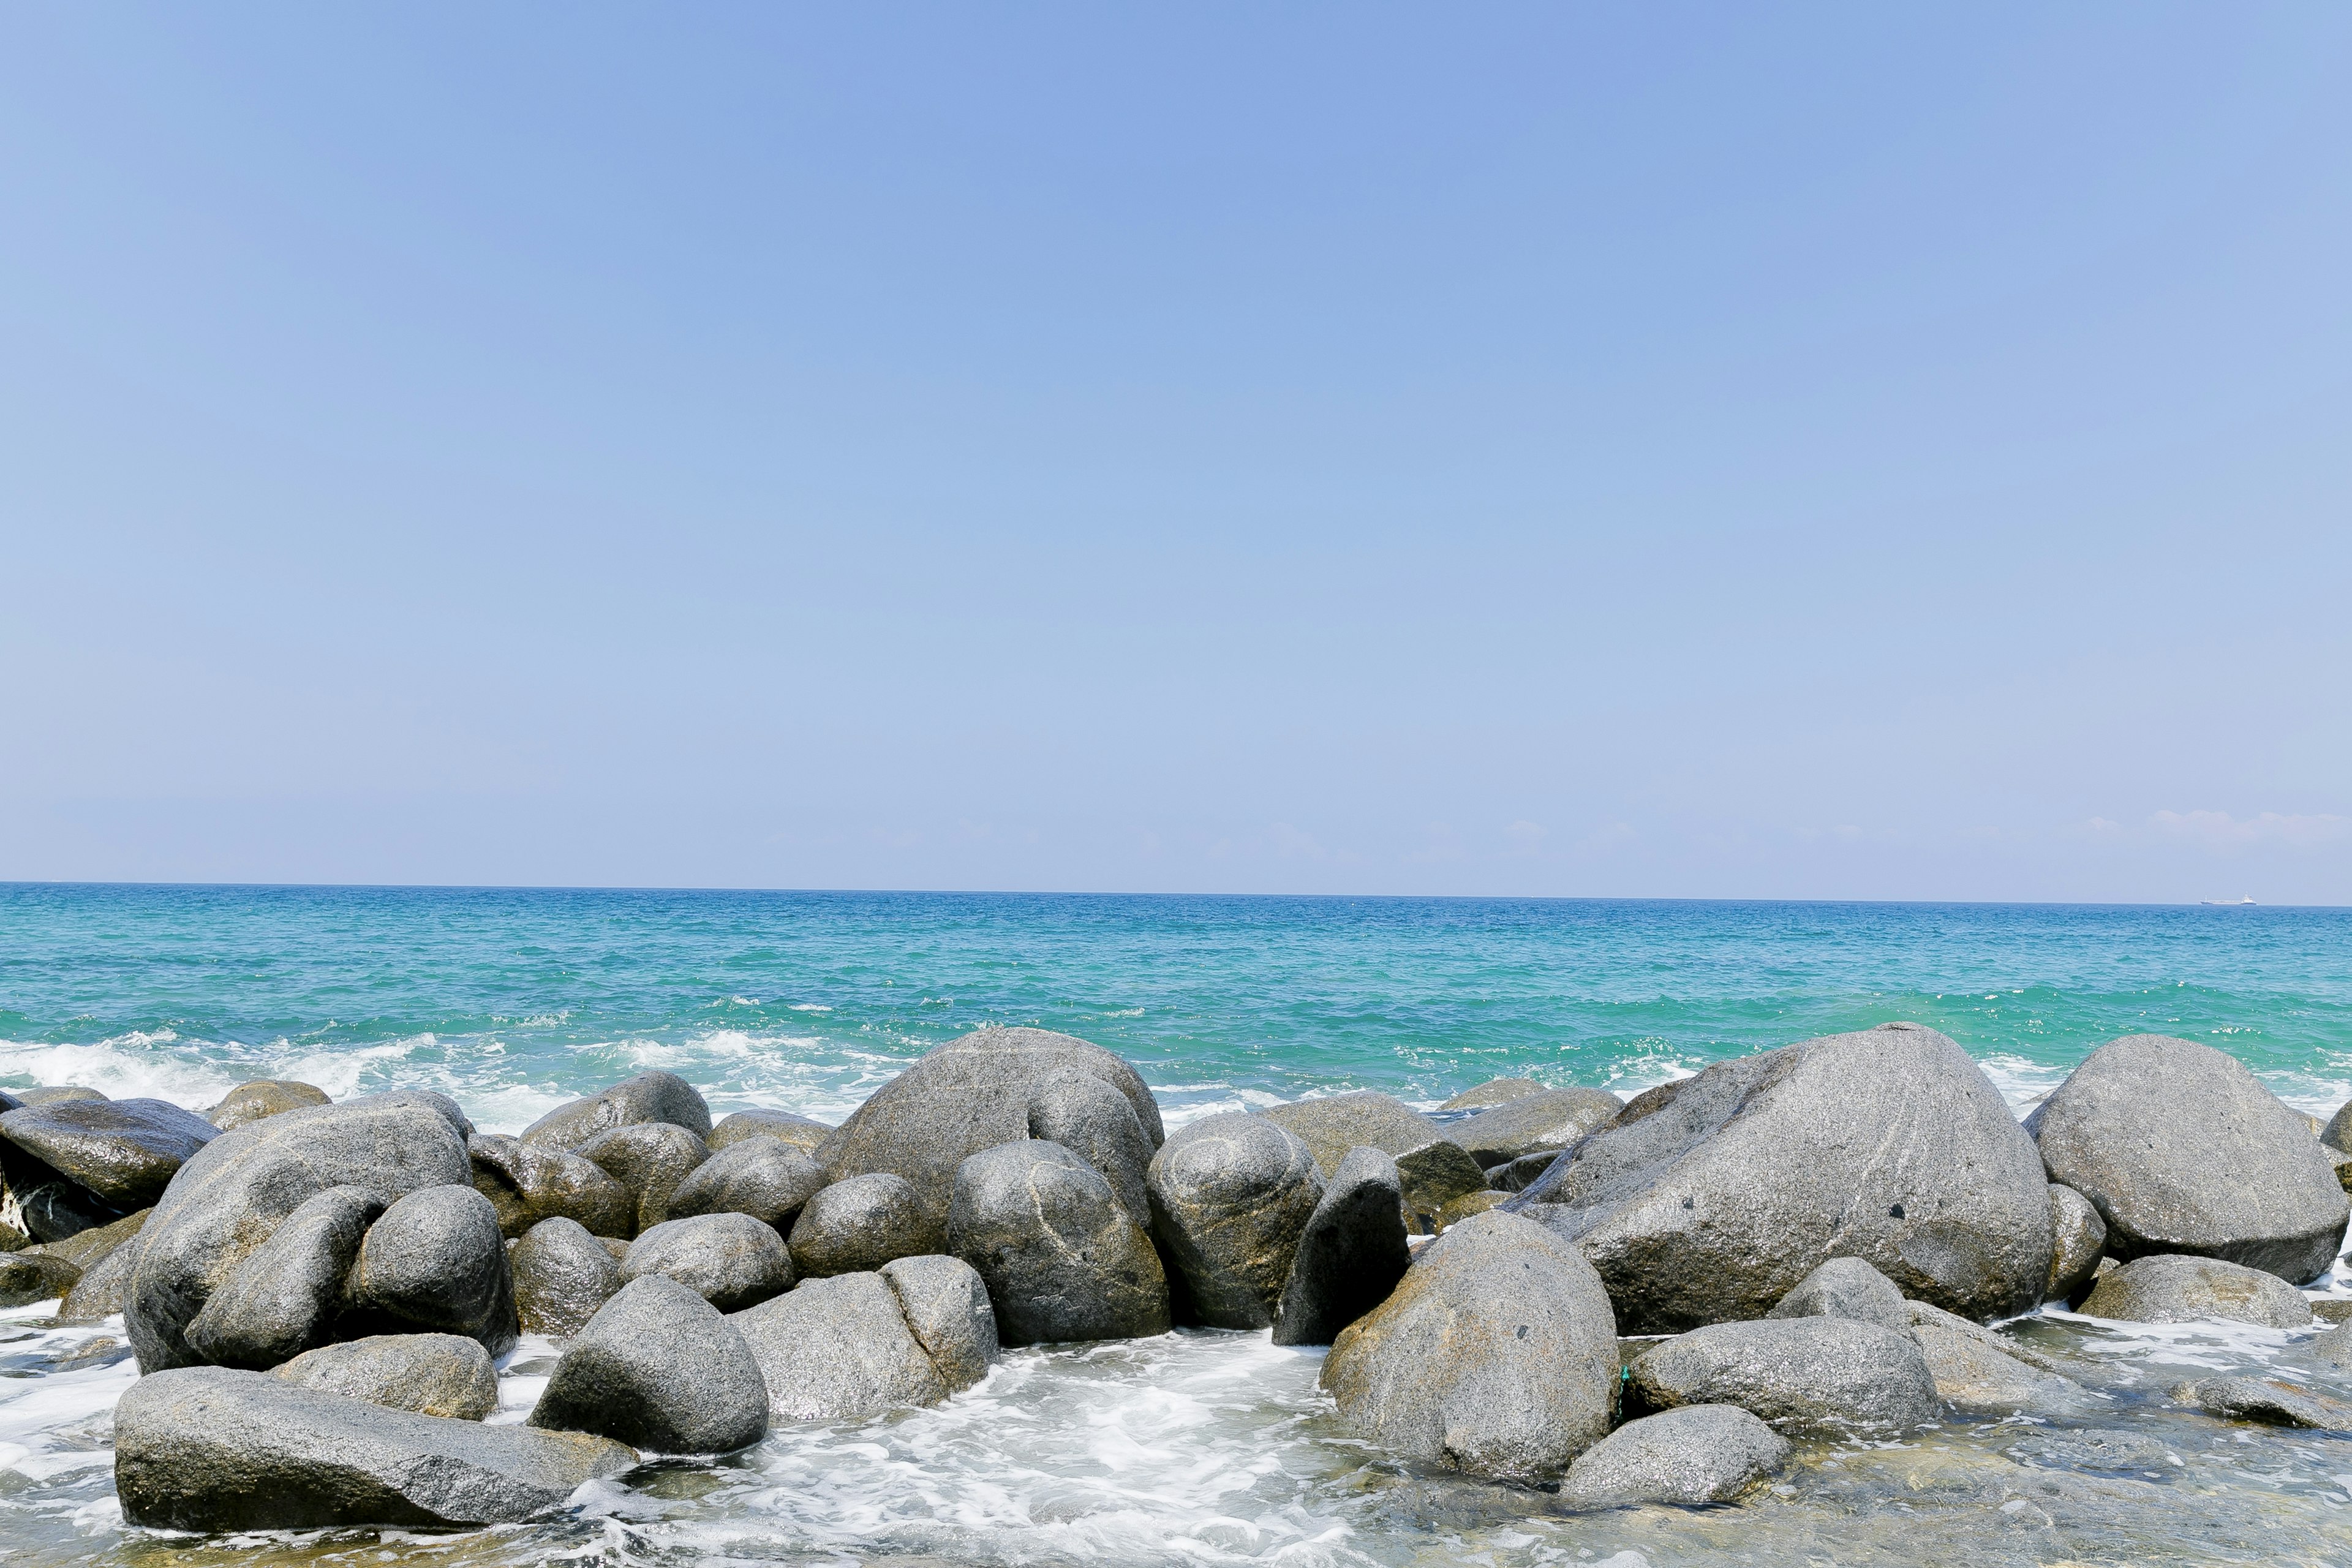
x: 1230, y: 1197
x: 124, y: 1152
x: 1062, y: 1259
x: 1805, y: 1376
x: 784, y: 1126
x: 431, y: 1374
x: 211, y: 1448
x: 2171, y: 1287
x: 649, y: 1097
x: 264, y: 1097
x: 1689, y: 1458
x: 1363, y: 1118
x: 2183, y: 1150
x: 1709, y: 1199
x: 1550, y: 1118
x: 972, y: 1093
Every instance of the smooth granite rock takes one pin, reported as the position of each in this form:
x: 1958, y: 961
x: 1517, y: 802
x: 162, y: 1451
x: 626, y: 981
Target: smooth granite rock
x: 231, y: 1197
x: 1366, y: 1119
x: 839, y: 1349
x: 2183, y: 1151
x: 1096, y: 1123
x: 860, y: 1223
x: 782, y: 1126
x: 435, y: 1261
x: 1433, y: 1177
x: 648, y: 1097
x: 124, y: 1152
x: 658, y: 1368
x: 2266, y: 1400
x: 1496, y: 1355
x: 561, y: 1276
x: 431, y: 1374
x: 2170, y: 1288
x: 971, y: 1094
x: 1494, y: 1092
x: 945, y: 1303
x: 2081, y: 1240
x: 286, y: 1297
x: 432, y: 1100
x: 527, y: 1183
x: 652, y: 1160
x: 49, y: 1094
x: 1846, y: 1288
x: 1230, y: 1195
x: 31, y: 1275
x: 1350, y: 1254
x: 1710, y: 1197
x: 1806, y: 1377
x: 210, y: 1449
x: 763, y: 1177
x: 1978, y: 1370
x: 1063, y: 1261
x: 1554, y: 1119
x: 1689, y: 1458
x: 731, y: 1260
x: 264, y: 1097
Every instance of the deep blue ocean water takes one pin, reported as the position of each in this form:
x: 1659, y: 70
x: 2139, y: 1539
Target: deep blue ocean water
x: 515, y: 1000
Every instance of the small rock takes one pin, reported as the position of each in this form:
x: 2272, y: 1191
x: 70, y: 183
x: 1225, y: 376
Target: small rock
x: 431, y: 1374
x: 2334, y: 1347
x: 1093, y: 1121
x: 2265, y: 1400
x: 561, y: 1276
x: 1350, y: 1254
x: 1494, y: 1092
x: 860, y: 1223
x: 30, y: 1275
x: 527, y: 1183
x: 1465, y: 1205
x: 2082, y: 1240
x: 434, y: 1261
x: 766, y: 1178
x: 945, y: 1303
x: 649, y: 1097
x: 1554, y: 1119
x: 1366, y: 1118
x: 264, y: 1097
x: 2171, y: 1288
x: 1689, y: 1458
x: 1230, y: 1195
x: 1433, y: 1174
x: 658, y: 1367
x: 209, y: 1448
x: 839, y: 1349
x: 780, y: 1125
x: 1847, y: 1287
x: 284, y: 1297
x: 652, y: 1160
x: 1829, y: 1376
x: 2331, y: 1310
x: 125, y: 1152
x: 731, y: 1260
x: 1063, y: 1261
x: 1521, y: 1174
x: 1976, y: 1369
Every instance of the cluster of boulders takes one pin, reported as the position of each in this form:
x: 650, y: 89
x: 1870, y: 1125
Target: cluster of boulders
x: 1805, y: 1242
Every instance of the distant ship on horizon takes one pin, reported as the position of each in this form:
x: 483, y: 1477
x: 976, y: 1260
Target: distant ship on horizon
x: 2226, y: 903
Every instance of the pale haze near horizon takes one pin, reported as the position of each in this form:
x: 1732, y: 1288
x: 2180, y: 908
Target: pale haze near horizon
x: 1828, y: 453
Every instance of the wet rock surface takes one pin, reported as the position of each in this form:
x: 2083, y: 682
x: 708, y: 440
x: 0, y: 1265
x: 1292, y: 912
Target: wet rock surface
x: 2080, y: 1239
x: 431, y: 1374
x: 766, y: 1178
x: 527, y: 1183
x: 122, y: 1151
x: 434, y: 1261
x: 651, y: 1159
x: 561, y: 1276
x: 648, y: 1097
x: 1548, y: 1119
x: 860, y: 1223
x: 1433, y: 1177
x: 1230, y: 1197
x: 1805, y: 1376
x: 945, y: 1303
x: 840, y: 1348
x: 287, y: 1296
x: 660, y: 1369
x: 802, y: 1133
x: 262, y: 1098
x: 1062, y: 1260
x: 731, y: 1260
x: 2270, y: 1400
x: 1697, y: 1455
x: 2171, y: 1288
x: 1350, y: 1254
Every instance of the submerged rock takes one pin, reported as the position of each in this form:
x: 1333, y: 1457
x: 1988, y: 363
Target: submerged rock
x: 2081, y: 1238
x: 648, y: 1097
x: 860, y: 1223
x: 1847, y: 1287
x: 431, y: 1374
x: 1494, y: 1092
x: 1366, y: 1119
x: 971, y: 1094
x: 1689, y: 1458
x: 1230, y: 1197
x: 1062, y: 1260
x: 763, y: 1177
x: 782, y: 1126
x: 839, y: 1349
x: 122, y: 1151
x: 285, y: 1298
x: 2173, y: 1289
x: 1829, y: 1376
x: 1496, y: 1355
x: 209, y: 1448
x: 434, y: 1261
x: 1096, y: 1123
x: 561, y: 1276
x: 2183, y: 1151
x: 527, y: 1183
x: 1976, y: 1369
x: 1350, y: 1254
x: 1709, y: 1199
x: 1553, y: 1119
x: 2266, y: 1400
x: 652, y: 1160
x: 945, y: 1303
x: 731, y: 1260
x: 264, y: 1097
x: 658, y: 1367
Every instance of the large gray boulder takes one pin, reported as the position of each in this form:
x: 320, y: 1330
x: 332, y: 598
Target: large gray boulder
x: 1846, y: 1288
x: 1230, y: 1197
x: 839, y: 1349
x: 971, y: 1094
x: 1709, y: 1199
x: 122, y: 1151
x: 1552, y: 1118
x: 431, y: 1374
x: 1096, y: 1122
x: 1365, y: 1119
x: 264, y: 1097
x: 527, y: 1183
x: 1689, y: 1458
x: 659, y: 1368
x: 2080, y: 1238
x: 860, y: 1223
x: 649, y: 1097
x: 2183, y: 1151
x: 209, y: 1448
x: 2170, y: 1288
x: 227, y: 1200
x: 1351, y: 1255
x: 1826, y: 1376
x: 945, y: 1303
x: 1062, y: 1260
x: 38, y: 1205
x: 763, y: 1177
x: 435, y: 1261
x: 561, y: 1276
x: 1496, y: 1355
x: 652, y: 1160
x: 2270, y: 1400
x: 731, y: 1260
x: 784, y: 1126
x: 286, y: 1297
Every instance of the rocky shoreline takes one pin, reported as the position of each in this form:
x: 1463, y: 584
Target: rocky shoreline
x: 1622, y: 1303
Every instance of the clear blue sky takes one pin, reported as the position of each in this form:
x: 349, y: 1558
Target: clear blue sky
x: 1794, y: 451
